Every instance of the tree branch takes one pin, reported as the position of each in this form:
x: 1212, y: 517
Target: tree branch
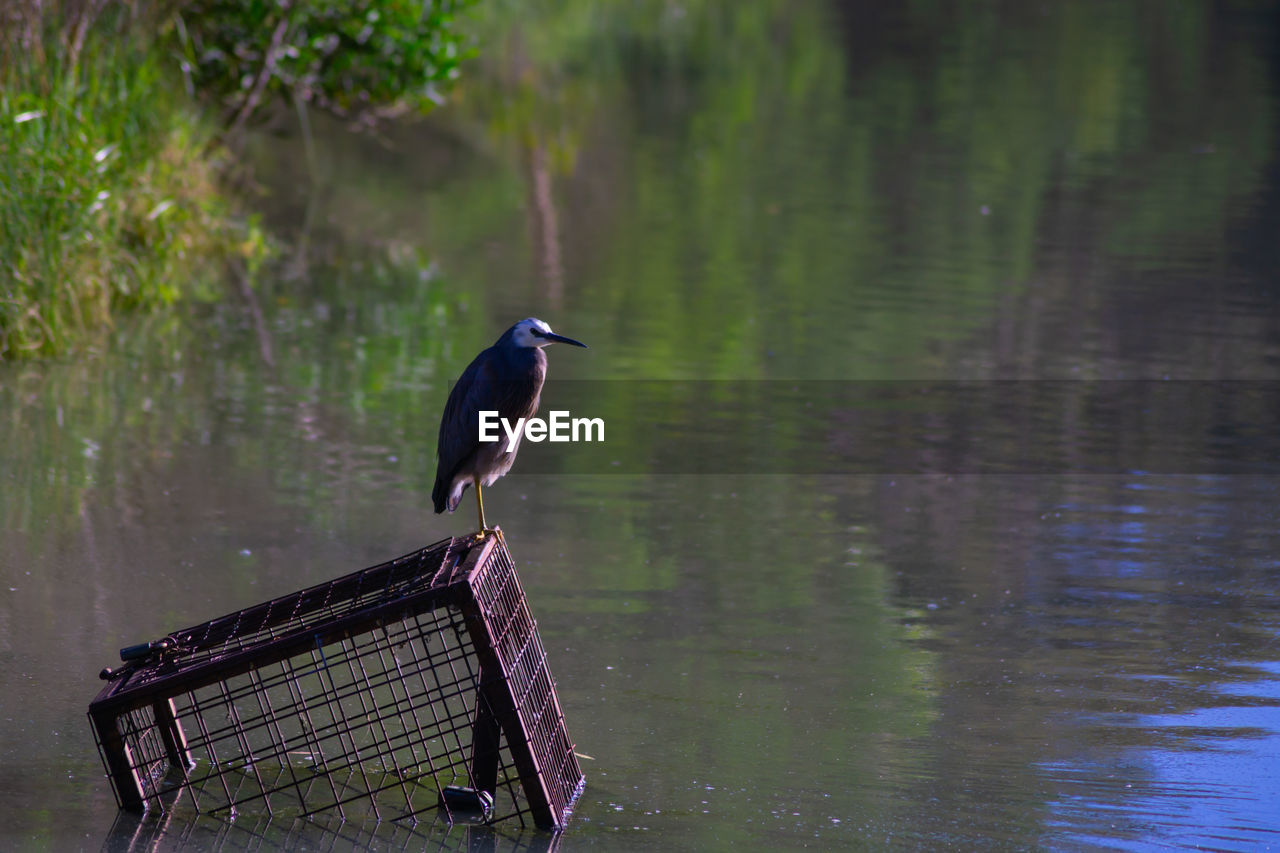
x: 268, y: 68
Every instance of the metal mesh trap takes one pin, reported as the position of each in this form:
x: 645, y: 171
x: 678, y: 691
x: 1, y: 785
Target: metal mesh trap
x: 417, y: 684
x: 179, y: 832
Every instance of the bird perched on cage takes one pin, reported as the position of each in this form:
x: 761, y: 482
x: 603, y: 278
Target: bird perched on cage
x: 506, y: 378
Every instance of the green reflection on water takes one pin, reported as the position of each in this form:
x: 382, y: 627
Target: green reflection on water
x: 760, y: 189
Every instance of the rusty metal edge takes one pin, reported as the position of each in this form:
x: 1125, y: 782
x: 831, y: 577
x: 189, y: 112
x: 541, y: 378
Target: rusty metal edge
x: 119, y: 697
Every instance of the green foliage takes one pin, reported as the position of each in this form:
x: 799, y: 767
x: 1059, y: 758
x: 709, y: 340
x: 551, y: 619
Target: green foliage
x: 352, y: 58
x: 108, y: 192
x: 109, y: 178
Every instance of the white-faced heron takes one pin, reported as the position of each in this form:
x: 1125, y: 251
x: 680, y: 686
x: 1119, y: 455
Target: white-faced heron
x: 507, y: 379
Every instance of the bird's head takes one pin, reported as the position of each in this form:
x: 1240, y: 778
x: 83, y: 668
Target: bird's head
x: 532, y: 332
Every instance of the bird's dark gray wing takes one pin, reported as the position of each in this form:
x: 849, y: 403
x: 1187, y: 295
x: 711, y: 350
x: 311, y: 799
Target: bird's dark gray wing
x: 459, y: 429
x: 492, y: 383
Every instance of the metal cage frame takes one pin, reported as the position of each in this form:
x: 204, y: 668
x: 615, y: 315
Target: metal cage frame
x: 415, y: 684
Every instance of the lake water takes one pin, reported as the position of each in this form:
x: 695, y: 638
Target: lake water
x: 938, y: 353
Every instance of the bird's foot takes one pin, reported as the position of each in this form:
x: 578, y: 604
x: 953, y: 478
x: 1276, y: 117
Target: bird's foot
x: 480, y: 535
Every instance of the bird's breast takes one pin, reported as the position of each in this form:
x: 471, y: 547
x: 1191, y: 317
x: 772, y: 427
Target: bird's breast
x: 518, y: 388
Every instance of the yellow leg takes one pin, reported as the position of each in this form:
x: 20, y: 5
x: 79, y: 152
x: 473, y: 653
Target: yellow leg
x: 484, y: 528
x: 479, y: 505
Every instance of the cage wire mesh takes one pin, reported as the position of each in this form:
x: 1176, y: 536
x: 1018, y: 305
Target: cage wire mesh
x: 322, y: 833
x: 417, y: 684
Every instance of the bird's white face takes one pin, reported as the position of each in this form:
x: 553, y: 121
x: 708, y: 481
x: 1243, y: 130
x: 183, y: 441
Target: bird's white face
x: 529, y: 333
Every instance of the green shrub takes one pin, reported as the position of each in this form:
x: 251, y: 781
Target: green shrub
x: 109, y: 175
x: 108, y: 192
x: 351, y: 57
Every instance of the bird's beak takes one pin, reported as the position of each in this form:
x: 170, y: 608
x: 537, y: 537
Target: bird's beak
x: 552, y: 336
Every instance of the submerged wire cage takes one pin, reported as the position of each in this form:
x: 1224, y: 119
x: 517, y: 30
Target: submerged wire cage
x: 417, y: 684
x: 181, y: 832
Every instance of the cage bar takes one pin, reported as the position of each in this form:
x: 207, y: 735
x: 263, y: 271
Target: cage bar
x: 181, y: 832
x: 415, y: 684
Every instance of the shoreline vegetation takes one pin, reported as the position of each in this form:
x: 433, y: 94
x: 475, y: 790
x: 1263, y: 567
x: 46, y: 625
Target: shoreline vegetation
x: 114, y: 119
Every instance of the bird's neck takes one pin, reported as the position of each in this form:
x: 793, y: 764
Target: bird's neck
x: 528, y: 358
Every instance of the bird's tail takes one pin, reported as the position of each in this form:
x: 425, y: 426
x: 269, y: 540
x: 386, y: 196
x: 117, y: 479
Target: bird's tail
x: 440, y: 495
x: 445, y: 498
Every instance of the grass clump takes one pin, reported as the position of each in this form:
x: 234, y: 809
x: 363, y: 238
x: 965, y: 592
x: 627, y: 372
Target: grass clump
x: 109, y: 168
x: 109, y: 195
